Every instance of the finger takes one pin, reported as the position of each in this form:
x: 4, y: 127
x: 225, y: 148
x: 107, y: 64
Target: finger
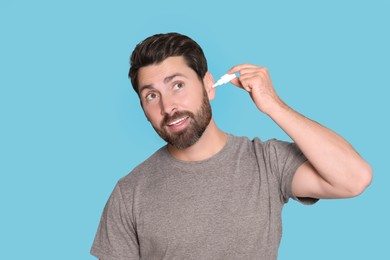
x: 250, y: 71
x: 236, y: 82
x: 253, y: 74
x: 253, y: 69
x: 240, y: 67
x: 246, y: 85
x: 243, y: 85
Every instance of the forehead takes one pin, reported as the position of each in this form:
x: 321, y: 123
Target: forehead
x: 156, y: 73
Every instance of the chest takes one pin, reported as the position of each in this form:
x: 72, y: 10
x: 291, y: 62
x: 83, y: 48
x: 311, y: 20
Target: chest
x: 229, y: 210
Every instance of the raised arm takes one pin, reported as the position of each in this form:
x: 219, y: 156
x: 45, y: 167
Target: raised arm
x: 334, y: 169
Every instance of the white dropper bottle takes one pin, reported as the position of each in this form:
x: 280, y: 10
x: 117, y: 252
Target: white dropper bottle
x: 224, y: 79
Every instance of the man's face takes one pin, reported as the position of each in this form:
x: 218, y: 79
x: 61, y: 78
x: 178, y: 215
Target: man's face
x: 174, y: 101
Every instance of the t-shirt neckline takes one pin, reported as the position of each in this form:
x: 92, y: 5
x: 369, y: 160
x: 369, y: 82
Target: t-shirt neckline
x: 216, y: 157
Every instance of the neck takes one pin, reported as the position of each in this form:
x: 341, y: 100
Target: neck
x: 211, y: 142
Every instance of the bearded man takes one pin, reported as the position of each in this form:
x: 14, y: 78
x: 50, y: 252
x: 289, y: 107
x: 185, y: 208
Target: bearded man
x: 209, y: 194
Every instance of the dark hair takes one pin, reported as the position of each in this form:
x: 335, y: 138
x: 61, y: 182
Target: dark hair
x: 158, y: 47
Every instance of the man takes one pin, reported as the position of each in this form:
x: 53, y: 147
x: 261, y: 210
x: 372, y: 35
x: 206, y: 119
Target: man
x: 208, y: 194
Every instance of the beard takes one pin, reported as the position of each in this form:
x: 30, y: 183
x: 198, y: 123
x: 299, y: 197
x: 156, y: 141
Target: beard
x: 193, y: 132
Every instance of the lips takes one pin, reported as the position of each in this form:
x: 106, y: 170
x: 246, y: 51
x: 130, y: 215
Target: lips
x: 177, y: 121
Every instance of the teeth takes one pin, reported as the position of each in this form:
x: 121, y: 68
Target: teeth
x: 177, y: 121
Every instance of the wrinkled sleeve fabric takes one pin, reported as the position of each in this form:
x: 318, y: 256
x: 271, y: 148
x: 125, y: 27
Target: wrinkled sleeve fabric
x: 283, y: 159
x: 116, y: 237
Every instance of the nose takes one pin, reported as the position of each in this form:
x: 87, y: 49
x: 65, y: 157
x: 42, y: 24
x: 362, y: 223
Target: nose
x: 167, y: 104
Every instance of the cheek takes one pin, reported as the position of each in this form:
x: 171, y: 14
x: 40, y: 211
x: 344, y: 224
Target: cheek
x: 154, y: 117
x: 150, y: 116
x: 192, y: 100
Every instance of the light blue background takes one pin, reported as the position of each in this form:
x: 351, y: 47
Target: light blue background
x: 71, y: 125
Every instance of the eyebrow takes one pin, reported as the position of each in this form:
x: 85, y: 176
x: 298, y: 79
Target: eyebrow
x: 166, y: 80
x: 169, y: 78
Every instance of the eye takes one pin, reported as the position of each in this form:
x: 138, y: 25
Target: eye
x: 178, y: 86
x: 151, y: 96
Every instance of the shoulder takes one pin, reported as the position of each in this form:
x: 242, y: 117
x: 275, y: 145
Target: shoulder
x: 269, y: 150
x: 246, y: 141
x: 144, y: 170
x: 241, y: 142
x: 256, y: 144
x: 274, y: 145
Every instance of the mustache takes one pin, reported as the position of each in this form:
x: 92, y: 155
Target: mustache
x: 168, y: 118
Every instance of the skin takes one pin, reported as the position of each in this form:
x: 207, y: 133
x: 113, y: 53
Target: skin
x: 160, y: 94
x: 333, y: 170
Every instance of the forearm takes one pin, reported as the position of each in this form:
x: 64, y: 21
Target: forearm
x: 334, y: 159
x: 336, y: 170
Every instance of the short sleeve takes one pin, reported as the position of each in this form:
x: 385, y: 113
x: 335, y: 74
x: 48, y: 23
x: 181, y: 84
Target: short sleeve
x: 116, y: 237
x: 284, y: 159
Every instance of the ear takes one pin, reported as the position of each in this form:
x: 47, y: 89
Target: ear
x: 208, y: 82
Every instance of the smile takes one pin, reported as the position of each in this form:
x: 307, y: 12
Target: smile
x: 178, y: 121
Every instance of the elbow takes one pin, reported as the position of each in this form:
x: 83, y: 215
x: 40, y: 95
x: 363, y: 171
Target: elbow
x: 362, y: 181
